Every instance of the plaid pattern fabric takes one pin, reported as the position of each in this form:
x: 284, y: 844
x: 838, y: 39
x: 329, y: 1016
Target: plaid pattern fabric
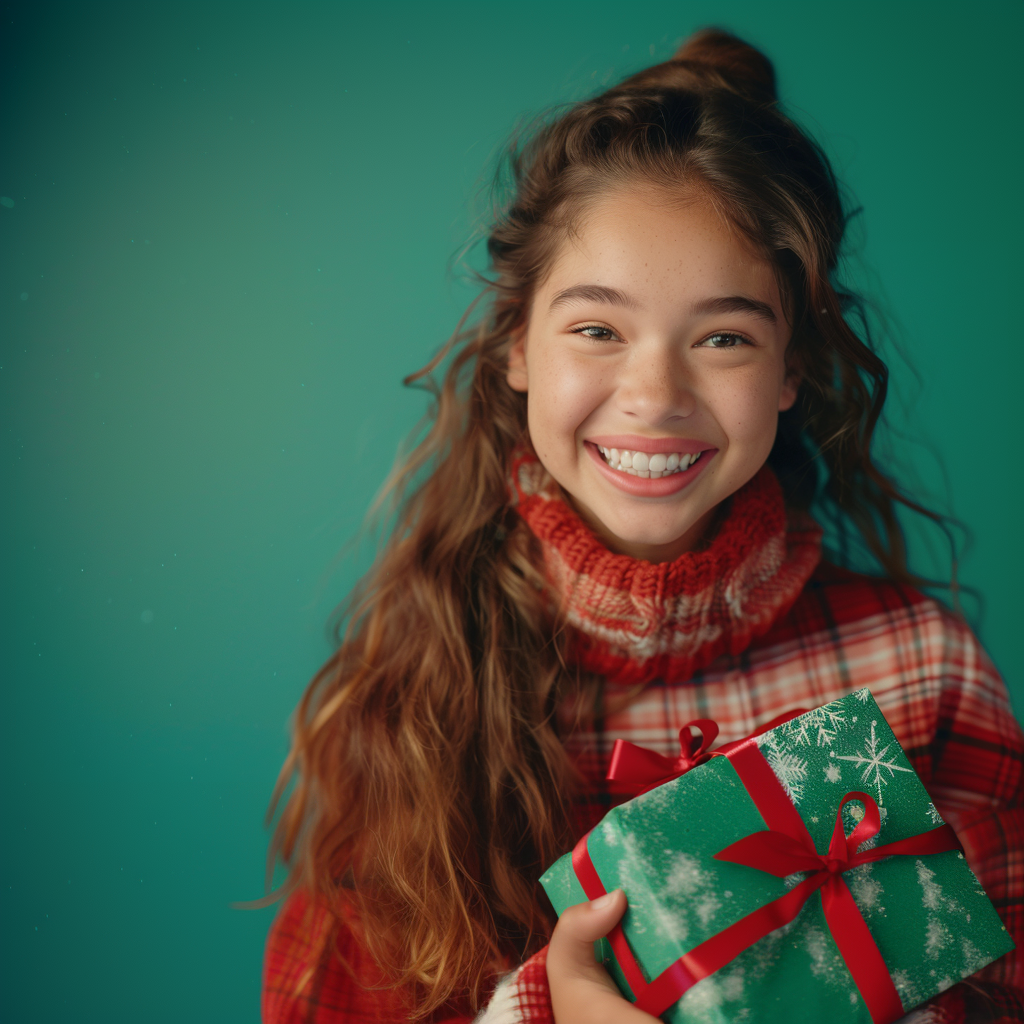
x: 316, y: 972
x: 938, y: 691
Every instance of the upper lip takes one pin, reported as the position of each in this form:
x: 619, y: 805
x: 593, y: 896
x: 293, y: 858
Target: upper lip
x: 653, y: 445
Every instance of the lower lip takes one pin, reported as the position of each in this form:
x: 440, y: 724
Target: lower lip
x: 646, y: 488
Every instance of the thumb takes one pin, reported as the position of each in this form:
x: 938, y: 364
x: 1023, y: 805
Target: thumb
x: 571, y: 951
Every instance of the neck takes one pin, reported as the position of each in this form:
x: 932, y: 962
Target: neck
x: 696, y: 538
x: 635, y: 618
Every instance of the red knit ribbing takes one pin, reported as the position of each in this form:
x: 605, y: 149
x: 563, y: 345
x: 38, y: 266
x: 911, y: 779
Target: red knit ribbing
x: 637, y: 621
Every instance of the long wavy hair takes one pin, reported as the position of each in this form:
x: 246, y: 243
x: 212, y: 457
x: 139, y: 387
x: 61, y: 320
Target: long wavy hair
x: 430, y: 781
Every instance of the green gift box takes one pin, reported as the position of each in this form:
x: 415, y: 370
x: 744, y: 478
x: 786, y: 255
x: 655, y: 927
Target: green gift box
x: 803, y: 876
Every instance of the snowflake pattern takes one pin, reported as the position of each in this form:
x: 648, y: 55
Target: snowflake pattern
x: 906, y: 987
x: 872, y: 761
x: 823, y: 724
x: 790, y: 770
x: 801, y: 733
x: 827, y: 720
x: 931, y: 891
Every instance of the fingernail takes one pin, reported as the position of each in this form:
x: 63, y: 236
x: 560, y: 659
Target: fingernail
x: 602, y: 901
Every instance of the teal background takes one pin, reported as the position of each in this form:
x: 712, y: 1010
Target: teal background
x: 230, y: 238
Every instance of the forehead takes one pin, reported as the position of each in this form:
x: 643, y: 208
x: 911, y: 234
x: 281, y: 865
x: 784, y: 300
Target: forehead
x: 659, y: 249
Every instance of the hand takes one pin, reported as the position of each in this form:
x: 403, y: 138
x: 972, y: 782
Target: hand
x: 581, y: 990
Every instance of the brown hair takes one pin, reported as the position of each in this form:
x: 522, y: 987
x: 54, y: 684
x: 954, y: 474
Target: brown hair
x: 430, y: 777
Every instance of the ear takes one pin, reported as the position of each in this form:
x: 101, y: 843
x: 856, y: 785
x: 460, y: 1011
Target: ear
x: 790, y: 388
x: 516, y: 373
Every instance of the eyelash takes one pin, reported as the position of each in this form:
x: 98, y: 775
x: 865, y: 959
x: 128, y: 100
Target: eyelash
x: 591, y: 327
x: 727, y: 334
x: 717, y: 334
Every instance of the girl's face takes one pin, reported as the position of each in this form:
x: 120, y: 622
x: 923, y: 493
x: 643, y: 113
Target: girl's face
x: 654, y: 364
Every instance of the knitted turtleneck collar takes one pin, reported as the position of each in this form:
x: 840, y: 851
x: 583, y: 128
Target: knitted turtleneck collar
x: 637, y: 621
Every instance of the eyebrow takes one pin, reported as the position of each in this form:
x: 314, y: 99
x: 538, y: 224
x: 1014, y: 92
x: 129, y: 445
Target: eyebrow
x: 736, y: 304
x: 580, y: 293
x: 592, y: 293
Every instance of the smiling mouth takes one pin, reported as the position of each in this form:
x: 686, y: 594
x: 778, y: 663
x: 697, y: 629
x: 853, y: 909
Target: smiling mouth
x: 646, y: 465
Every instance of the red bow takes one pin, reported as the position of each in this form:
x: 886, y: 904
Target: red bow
x: 635, y: 769
x: 782, y: 854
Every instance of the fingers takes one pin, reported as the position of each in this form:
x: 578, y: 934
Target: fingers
x: 581, y: 990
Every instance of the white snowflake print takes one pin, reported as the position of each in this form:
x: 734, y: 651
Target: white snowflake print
x: 826, y: 963
x: 827, y: 722
x: 866, y: 889
x: 873, y: 762
x: 932, y: 896
x: 934, y: 816
x: 801, y: 733
x: 974, y: 960
x: 906, y: 987
x: 687, y: 880
x: 732, y: 984
x: 937, y: 938
x: 790, y: 770
x: 702, y: 1000
x: 862, y: 695
x: 832, y: 773
x: 822, y: 723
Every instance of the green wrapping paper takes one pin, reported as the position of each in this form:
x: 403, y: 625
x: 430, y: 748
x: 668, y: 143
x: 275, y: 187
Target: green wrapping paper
x: 929, y: 916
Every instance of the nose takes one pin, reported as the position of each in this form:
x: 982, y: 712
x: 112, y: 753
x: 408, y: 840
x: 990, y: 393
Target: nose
x: 655, y: 387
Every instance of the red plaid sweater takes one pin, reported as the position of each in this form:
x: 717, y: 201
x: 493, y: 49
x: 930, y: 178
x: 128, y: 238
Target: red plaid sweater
x: 837, y: 632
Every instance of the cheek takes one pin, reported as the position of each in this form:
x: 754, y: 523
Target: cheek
x: 561, y: 398
x: 746, y: 405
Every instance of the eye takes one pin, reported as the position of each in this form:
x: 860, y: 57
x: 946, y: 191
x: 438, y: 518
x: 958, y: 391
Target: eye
x: 724, y: 339
x: 603, y: 333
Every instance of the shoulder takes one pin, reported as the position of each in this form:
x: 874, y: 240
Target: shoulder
x: 834, y: 596
x: 844, y: 632
x: 850, y: 607
x: 920, y: 660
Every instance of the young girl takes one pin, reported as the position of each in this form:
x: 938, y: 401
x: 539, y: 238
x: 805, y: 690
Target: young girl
x: 605, y: 534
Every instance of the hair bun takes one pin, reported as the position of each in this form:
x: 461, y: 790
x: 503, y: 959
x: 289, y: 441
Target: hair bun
x: 739, y: 65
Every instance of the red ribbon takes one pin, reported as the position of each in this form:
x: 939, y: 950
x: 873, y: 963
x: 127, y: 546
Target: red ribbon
x: 635, y: 770
x: 786, y: 847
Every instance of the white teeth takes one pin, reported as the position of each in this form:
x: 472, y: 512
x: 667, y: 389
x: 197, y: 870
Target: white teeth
x: 648, y: 466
